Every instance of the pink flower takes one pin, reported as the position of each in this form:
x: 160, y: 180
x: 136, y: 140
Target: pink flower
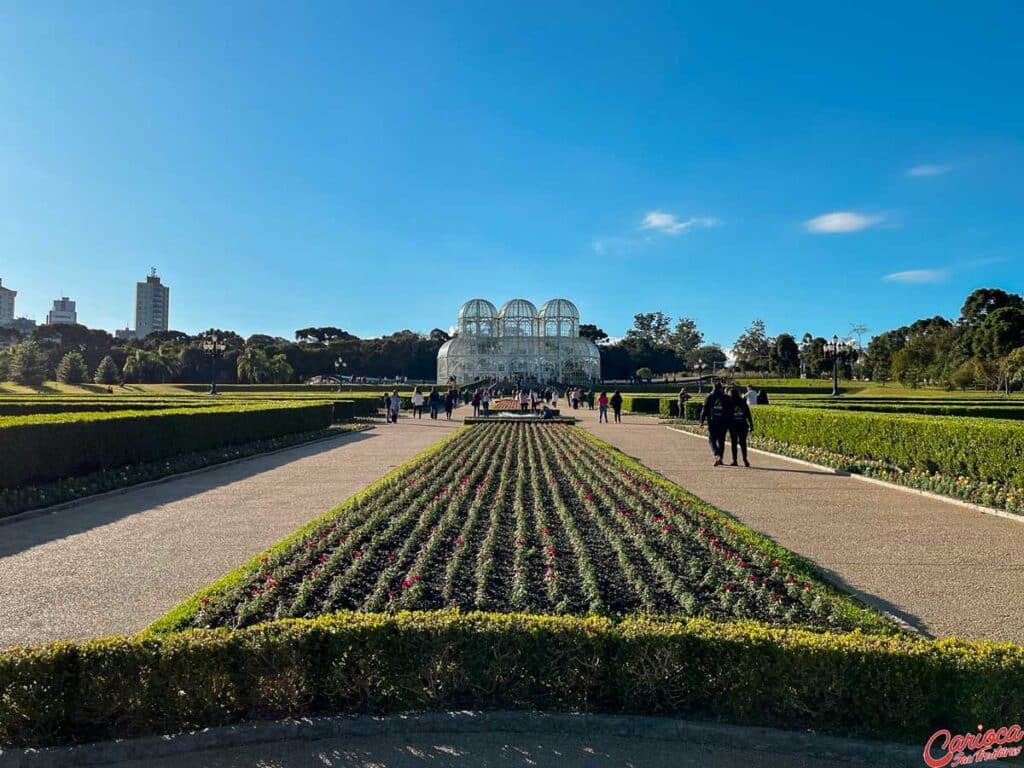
x: 204, y: 600
x: 324, y: 558
x: 357, y: 553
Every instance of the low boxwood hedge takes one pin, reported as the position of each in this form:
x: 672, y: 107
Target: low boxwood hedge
x: 850, y: 684
x: 44, y: 448
x: 985, y: 449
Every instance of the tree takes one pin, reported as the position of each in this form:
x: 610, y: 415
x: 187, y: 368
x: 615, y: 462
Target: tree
x: 28, y: 364
x: 1000, y: 333
x: 5, y: 365
x: 784, y: 358
x: 1014, y: 365
x: 72, y: 369
x: 984, y: 301
x: 279, y: 371
x: 685, y: 338
x: 644, y: 374
x: 252, y: 366
x: 752, y: 349
x: 650, y: 327
x: 592, y: 332
x: 710, y: 354
x: 439, y: 336
x: 107, y: 372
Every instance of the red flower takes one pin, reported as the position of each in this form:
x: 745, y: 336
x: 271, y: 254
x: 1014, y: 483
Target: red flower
x: 458, y: 539
x: 204, y: 600
x: 324, y: 558
x: 807, y: 585
x: 357, y: 553
x: 264, y: 559
x: 406, y: 584
x: 590, y: 497
x: 416, y: 578
x: 544, y: 531
x: 666, y: 528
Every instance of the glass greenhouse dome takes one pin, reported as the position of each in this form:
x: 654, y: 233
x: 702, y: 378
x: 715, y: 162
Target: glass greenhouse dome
x: 518, y: 343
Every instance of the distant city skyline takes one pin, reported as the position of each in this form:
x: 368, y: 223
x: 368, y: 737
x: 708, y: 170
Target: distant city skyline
x: 345, y: 165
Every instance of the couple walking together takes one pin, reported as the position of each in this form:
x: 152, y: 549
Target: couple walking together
x: 727, y: 412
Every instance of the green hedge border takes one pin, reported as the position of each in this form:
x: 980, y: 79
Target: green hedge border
x: 892, y: 687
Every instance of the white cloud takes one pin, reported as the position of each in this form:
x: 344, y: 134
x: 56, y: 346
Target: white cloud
x: 669, y: 224
x: 929, y: 170
x: 918, y: 276
x: 841, y: 221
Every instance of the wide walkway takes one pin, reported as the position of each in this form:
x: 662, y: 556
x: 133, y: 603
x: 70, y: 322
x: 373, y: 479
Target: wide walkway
x: 943, y: 568
x: 115, y: 564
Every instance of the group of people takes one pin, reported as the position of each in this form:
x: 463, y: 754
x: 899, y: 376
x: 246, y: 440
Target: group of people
x: 434, y: 401
x: 729, y: 413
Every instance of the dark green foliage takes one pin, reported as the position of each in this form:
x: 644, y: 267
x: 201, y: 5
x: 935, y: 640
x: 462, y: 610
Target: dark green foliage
x: 72, y: 369
x: 348, y: 663
x: 107, y: 372
x: 985, y: 449
x: 28, y: 364
x: 36, y: 449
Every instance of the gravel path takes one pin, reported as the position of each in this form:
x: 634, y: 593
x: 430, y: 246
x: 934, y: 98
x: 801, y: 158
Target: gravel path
x: 115, y: 564
x: 944, y: 569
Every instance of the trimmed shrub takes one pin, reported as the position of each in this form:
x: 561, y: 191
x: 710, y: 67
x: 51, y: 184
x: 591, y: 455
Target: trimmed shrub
x: 43, y: 448
x: 849, y: 684
x: 985, y: 449
x: 107, y: 372
x: 344, y: 410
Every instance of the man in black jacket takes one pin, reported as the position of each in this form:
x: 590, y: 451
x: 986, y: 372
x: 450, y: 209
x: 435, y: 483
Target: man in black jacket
x: 716, y: 412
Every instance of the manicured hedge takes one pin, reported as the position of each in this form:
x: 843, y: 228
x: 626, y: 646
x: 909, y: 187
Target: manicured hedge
x: 95, y: 406
x: 43, y: 448
x: 664, y: 406
x: 850, y: 684
x: 1012, y: 410
x: 985, y: 449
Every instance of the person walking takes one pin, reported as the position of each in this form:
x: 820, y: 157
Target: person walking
x: 590, y: 399
x: 602, y: 408
x: 387, y: 408
x: 616, y: 404
x: 476, y: 402
x: 762, y: 397
x: 417, y: 403
x: 741, y: 423
x: 485, y: 401
x: 716, y: 412
x: 396, y: 405
x: 434, y: 401
x: 683, y: 397
x: 751, y: 395
x: 524, y: 400
x: 449, y: 404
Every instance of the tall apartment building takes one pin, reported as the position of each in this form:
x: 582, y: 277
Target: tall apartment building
x: 152, y: 305
x: 63, y: 312
x: 6, y: 304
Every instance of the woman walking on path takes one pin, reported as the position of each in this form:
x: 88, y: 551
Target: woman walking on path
x: 396, y: 405
x: 476, y: 402
x: 602, y: 408
x: 524, y: 401
x: 435, y: 402
x: 387, y: 408
x: 449, y: 404
x: 741, y: 424
x: 485, y: 400
x: 417, y: 403
x: 616, y: 403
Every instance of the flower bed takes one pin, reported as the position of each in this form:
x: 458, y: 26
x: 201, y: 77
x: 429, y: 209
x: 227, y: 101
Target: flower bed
x: 505, y: 404
x: 997, y: 495
x: 529, y: 518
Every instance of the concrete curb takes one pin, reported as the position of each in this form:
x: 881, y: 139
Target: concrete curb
x: 875, y: 481
x: 768, y: 741
x: 40, y: 511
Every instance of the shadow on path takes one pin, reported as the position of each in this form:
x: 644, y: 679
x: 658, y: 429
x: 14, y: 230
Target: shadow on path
x: 91, y: 513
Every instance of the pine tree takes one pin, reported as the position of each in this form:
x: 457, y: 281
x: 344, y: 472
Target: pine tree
x: 106, y: 372
x: 28, y: 364
x: 72, y: 369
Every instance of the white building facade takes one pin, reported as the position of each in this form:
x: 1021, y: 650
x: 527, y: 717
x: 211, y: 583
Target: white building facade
x: 152, y: 306
x: 63, y: 312
x: 519, y: 343
x: 6, y: 304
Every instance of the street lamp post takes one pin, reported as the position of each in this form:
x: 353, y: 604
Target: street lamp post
x: 700, y: 366
x: 338, y: 365
x: 836, y: 349
x: 214, y: 347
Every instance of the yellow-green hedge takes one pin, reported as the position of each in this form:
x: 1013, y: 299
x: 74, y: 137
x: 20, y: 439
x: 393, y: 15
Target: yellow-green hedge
x: 854, y: 684
x: 44, y: 448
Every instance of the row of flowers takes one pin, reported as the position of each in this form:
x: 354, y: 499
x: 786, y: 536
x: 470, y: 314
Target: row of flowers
x: 532, y: 518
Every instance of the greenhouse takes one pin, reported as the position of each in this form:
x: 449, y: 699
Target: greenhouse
x: 519, y: 343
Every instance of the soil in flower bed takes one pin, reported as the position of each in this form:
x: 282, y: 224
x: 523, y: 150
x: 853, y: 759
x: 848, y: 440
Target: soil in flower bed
x: 534, y: 518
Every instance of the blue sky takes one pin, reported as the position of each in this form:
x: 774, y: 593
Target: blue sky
x: 373, y: 165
